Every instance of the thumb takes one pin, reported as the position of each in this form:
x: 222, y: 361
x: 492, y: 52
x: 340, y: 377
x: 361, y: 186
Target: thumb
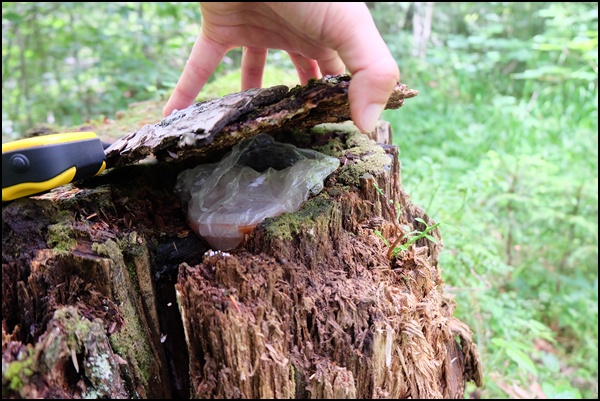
x: 369, y: 92
x: 374, y: 71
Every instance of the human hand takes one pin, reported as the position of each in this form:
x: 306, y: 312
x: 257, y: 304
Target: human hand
x: 320, y: 38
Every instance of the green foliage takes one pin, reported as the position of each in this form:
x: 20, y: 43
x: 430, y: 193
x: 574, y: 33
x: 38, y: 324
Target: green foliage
x: 229, y: 82
x: 502, y: 142
x: 411, y: 236
x: 68, y: 61
x: 415, y: 235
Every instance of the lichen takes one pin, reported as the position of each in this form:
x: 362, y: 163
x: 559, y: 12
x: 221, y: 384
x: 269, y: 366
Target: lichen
x: 88, y: 337
x: 99, y: 369
x: 328, y: 128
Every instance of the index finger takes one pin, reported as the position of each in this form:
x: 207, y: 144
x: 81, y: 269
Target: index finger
x: 204, y: 58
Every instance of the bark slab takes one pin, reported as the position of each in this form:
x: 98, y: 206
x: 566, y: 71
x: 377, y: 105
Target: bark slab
x: 106, y: 292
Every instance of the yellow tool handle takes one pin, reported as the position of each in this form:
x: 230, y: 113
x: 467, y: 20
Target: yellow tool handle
x: 38, y: 164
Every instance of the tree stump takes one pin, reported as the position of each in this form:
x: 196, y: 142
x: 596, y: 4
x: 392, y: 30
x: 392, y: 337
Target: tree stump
x: 106, y: 291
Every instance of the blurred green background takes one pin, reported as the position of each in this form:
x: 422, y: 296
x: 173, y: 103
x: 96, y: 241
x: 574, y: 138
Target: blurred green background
x: 500, y: 147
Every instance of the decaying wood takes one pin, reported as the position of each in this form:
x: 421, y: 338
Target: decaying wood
x: 106, y: 292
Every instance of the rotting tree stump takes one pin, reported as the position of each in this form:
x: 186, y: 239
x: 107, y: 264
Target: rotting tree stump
x: 106, y: 292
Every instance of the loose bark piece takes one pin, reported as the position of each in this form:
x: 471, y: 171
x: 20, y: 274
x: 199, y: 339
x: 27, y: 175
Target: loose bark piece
x: 214, y: 125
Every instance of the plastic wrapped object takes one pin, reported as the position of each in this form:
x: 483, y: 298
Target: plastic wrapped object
x: 258, y: 178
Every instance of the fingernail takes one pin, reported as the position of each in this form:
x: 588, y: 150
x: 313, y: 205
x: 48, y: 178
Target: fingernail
x: 370, y: 116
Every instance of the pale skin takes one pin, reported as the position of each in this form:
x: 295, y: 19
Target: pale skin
x: 320, y: 38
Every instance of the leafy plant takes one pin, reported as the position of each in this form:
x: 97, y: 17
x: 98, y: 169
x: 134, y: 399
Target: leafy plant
x: 411, y: 236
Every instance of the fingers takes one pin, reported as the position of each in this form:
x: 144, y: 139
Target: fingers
x: 369, y: 91
x: 253, y: 66
x: 373, y: 68
x: 204, y: 59
x: 307, y: 68
x: 321, y: 41
x: 332, y: 66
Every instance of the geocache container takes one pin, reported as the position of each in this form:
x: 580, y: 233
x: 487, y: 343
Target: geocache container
x: 258, y: 178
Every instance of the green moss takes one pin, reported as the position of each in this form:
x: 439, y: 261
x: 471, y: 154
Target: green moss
x: 286, y: 225
x: 351, y: 173
x: 132, y: 274
x: 76, y: 327
x: 110, y: 249
x: 335, y: 147
x: 132, y: 244
x: 130, y: 342
x: 16, y: 372
x: 362, y: 155
x: 61, y: 237
x: 132, y: 247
